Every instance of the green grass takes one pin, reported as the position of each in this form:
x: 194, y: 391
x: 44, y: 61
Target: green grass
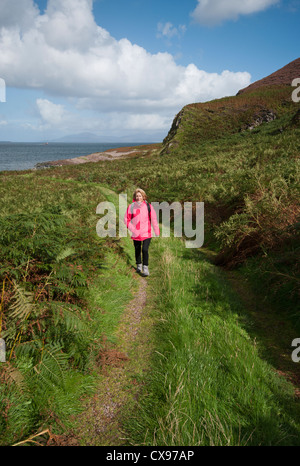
x: 209, y: 384
x: 248, y: 181
x: 63, y: 289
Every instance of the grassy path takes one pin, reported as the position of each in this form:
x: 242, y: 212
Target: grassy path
x: 182, y: 364
x: 123, y: 358
x: 122, y: 365
x: 188, y: 356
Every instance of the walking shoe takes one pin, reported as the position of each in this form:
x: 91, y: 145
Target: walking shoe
x: 145, y: 271
x: 138, y: 268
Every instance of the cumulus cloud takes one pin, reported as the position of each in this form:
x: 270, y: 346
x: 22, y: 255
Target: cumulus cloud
x: 65, y: 53
x: 51, y: 113
x: 211, y: 12
x: 57, y: 118
x: 14, y: 13
x: 167, y: 30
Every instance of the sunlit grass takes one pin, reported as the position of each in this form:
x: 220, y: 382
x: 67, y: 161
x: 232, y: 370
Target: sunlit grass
x: 209, y: 384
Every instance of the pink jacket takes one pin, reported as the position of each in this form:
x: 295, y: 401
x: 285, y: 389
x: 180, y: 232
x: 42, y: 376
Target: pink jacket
x: 137, y: 221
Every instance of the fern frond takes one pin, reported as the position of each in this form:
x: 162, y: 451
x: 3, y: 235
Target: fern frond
x: 68, y: 317
x: 28, y: 349
x: 24, y: 303
x: 64, y: 254
x: 52, y: 365
x: 12, y: 376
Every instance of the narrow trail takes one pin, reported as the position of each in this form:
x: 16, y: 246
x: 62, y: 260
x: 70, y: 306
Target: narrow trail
x: 100, y: 423
x: 124, y: 364
x: 121, y: 368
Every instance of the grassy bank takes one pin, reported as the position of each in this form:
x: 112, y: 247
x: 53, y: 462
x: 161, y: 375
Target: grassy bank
x: 210, y: 383
x: 58, y: 301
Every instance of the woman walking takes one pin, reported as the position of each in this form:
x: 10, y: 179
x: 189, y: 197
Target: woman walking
x: 139, y: 218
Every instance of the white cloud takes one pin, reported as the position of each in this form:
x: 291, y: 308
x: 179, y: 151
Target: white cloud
x: 167, y: 30
x: 211, y: 12
x: 51, y: 114
x: 66, y: 54
x: 16, y: 13
x: 2, y: 90
x: 149, y: 122
x: 56, y: 116
x: 208, y: 86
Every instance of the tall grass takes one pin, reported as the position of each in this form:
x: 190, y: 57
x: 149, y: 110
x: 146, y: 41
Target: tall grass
x: 58, y: 301
x: 209, y: 385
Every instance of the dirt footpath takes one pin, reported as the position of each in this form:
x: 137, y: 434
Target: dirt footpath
x: 100, y: 423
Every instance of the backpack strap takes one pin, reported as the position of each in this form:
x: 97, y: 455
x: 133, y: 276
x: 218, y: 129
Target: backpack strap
x: 149, y: 211
x: 148, y: 207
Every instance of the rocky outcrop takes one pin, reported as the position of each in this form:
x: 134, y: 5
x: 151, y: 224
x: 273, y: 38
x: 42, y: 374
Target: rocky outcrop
x: 264, y: 116
x: 169, y: 141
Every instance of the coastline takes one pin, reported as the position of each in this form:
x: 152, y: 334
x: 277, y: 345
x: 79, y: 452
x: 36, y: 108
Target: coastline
x: 110, y: 154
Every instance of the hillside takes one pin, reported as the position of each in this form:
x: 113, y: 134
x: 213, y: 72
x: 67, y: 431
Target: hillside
x: 282, y: 77
x: 202, y: 356
x: 261, y: 102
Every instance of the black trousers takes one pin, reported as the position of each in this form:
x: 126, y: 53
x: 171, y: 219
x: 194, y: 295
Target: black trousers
x: 142, y: 247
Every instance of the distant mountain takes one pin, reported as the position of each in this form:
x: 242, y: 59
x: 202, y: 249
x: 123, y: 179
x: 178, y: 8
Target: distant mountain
x: 80, y: 137
x: 282, y: 77
x: 94, y: 138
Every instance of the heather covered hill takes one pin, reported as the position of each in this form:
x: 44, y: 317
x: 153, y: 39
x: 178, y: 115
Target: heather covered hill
x: 200, y: 122
x: 282, y: 77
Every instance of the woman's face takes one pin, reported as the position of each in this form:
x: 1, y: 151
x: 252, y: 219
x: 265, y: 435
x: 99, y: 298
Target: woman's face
x: 138, y: 197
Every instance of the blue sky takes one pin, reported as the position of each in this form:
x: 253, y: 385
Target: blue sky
x: 124, y: 68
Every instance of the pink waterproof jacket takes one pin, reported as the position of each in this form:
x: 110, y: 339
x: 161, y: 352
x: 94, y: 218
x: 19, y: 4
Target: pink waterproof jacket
x: 138, y: 222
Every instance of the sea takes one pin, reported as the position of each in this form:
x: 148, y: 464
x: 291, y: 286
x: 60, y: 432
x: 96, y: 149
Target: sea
x: 25, y: 155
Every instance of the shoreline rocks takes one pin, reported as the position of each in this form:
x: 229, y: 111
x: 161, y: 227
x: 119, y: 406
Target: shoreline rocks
x: 95, y: 157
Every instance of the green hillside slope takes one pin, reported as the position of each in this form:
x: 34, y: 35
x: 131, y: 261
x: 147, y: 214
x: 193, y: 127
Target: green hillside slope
x: 240, y: 156
x: 63, y: 289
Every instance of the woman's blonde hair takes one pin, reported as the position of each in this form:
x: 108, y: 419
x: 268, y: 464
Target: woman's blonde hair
x: 138, y: 190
